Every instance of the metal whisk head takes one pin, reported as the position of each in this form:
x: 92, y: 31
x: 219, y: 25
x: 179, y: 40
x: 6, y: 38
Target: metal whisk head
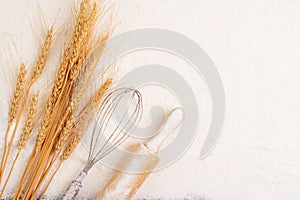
x: 107, y: 134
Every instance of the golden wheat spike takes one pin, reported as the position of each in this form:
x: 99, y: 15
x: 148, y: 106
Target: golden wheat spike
x: 87, y: 114
x: 67, y: 130
x: 102, y: 90
x: 29, y: 123
x: 71, y: 147
x: 18, y: 93
x: 42, y: 57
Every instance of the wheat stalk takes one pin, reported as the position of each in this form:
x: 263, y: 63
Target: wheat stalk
x: 40, y: 64
x: 65, y: 134
x: 27, y: 130
x: 74, y: 140
x: 13, y: 111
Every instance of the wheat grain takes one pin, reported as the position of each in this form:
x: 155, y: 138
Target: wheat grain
x: 29, y: 123
x: 43, y: 56
x: 67, y: 130
x: 42, y: 131
x: 101, y: 91
x: 87, y: 114
x: 71, y: 147
x: 67, y: 116
x: 18, y: 93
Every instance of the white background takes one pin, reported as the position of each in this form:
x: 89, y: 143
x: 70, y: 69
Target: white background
x: 255, y: 45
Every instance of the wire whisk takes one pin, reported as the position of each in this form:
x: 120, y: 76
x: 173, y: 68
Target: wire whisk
x: 118, y: 115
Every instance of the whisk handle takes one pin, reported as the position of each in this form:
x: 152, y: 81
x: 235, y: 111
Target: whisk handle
x: 75, y: 187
